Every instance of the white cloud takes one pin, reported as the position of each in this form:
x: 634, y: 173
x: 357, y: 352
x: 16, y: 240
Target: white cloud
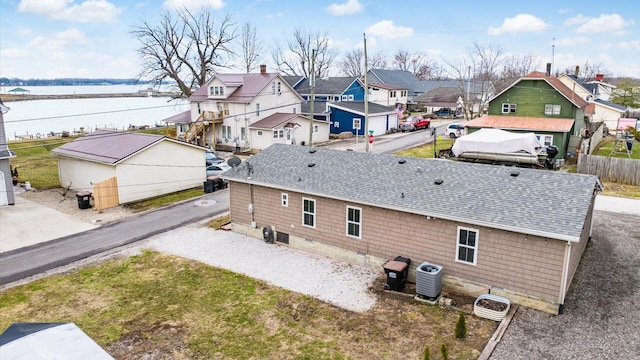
x: 606, y: 23
x: 518, y: 24
x: 578, y: 19
x: 274, y: 16
x: 13, y: 53
x: 571, y: 41
x: 345, y: 44
x: 386, y: 30
x: 194, y: 4
x: 62, y: 40
x: 348, y: 8
x: 86, y: 11
x: 629, y: 45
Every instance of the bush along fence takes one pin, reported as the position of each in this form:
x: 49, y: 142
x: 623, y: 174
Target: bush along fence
x: 623, y: 171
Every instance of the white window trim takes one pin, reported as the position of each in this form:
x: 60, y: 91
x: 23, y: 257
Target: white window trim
x: 475, y: 248
x: 344, y: 98
x: 259, y: 132
x: 285, y: 199
x: 314, y: 213
x: 553, y: 109
x: 359, y: 222
x: 316, y: 128
x: 541, y: 139
x: 508, y: 107
x: 350, y: 97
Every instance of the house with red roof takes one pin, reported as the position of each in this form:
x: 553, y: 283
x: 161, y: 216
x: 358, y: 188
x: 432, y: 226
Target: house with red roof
x: 541, y: 104
x: 228, y: 106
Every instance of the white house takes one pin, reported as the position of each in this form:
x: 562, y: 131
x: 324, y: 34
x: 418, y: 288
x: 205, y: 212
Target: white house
x: 388, y: 95
x: 143, y: 165
x: 597, y: 93
x: 223, y: 110
x: 283, y: 128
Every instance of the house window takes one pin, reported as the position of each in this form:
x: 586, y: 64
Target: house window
x: 295, y: 111
x: 403, y: 93
x: 309, y: 212
x: 257, y: 109
x: 336, y: 124
x: 226, y: 132
x: 285, y: 199
x: 392, y: 94
x: 279, y: 87
x: 356, y: 123
x: 344, y: 97
x: 278, y: 134
x: 467, y: 245
x: 243, y: 134
x: 273, y: 88
x: 316, y: 128
x: 354, y: 221
x: 509, y: 108
x: 216, y: 90
x: 350, y: 97
x: 336, y: 98
x: 551, y: 109
x: 545, y: 140
x: 259, y: 133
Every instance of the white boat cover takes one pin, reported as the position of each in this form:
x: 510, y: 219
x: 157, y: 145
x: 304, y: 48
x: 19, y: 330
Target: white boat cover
x: 497, y: 141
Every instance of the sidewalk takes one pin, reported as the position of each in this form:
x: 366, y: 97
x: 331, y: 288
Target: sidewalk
x: 617, y: 205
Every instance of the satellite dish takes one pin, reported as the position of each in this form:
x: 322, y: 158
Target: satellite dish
x: 234, y: 161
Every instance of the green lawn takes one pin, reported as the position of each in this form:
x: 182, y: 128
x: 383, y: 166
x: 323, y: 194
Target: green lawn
x: 606, y: 145
x: 426, y: 151
x: 35, y: 162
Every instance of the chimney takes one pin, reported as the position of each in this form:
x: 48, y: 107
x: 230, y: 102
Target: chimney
x: 577, y: 72
x: 548, y: 69
x: 263, y: 69
x: 599, y: 77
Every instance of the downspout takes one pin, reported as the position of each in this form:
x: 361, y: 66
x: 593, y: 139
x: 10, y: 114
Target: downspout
x: 567, y: 261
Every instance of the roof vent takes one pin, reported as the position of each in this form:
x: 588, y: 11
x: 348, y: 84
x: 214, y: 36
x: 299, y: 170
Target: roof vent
x: 311, y: 164
x: 419, y: 170
x: 402, y: 195
x: 312, y: 151
x: 299, y: 178
x: 438, y: 182
x: 402, y: 161
x: 515, y: 173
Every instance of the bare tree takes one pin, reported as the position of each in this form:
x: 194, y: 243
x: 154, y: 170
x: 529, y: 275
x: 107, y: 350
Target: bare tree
x: 297, y: 58
x: 352, y: 64
x: 378, y: 61
x: 476, y: 73
x: 185, y: 48
x: 401, y: 60
x: 251, y: 47
x: 586, y: 72
x: 515, y: 67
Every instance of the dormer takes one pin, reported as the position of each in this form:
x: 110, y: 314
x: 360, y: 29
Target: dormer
x: 217, y: 91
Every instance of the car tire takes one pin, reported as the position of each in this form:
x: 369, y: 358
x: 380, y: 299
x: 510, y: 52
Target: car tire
x: 452, y: 136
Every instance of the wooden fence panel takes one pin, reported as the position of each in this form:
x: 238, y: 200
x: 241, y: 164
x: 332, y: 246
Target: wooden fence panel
x: 623, y: 171
x: 105, y: 194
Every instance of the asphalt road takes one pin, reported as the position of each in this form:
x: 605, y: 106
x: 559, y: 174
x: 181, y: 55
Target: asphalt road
x: 22, y: 263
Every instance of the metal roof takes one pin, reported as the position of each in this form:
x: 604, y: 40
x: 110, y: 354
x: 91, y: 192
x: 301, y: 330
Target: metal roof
x: 521, y: 123
x: 537, y: 202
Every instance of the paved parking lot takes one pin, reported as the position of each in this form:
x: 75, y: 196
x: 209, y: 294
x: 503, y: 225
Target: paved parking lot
x: 600, y: 318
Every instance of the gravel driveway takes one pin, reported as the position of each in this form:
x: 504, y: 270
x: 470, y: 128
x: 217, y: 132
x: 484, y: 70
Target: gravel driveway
x: 600, y: 319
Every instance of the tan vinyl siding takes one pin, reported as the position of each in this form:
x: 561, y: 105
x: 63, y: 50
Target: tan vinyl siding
x: 525, y: 264
x: 578, y: 248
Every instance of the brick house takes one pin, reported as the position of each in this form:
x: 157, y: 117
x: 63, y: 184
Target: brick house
x: 518, y: 233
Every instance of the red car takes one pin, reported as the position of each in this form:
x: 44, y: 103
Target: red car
x: 415, y: 122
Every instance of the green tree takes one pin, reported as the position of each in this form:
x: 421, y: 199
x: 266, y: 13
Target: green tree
x: 461, y: 326
x: 426, y: 354
x: 444, y: 352
x: 627, y: 93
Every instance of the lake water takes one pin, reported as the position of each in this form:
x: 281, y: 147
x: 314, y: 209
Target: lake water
x: 40, y: 117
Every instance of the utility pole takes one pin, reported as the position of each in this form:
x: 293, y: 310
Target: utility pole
x: 312, y: 81
x: 553, y: 55
x: 366, y: 95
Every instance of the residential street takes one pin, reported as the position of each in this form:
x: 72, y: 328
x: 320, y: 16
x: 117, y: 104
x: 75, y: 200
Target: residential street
x: 31, y: 260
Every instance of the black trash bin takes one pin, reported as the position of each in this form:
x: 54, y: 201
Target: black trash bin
x: 396, y: 270
x: 84, y: 199
x: 209, y: 186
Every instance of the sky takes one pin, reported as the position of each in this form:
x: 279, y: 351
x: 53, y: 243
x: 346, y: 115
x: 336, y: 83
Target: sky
x: 47, y: 39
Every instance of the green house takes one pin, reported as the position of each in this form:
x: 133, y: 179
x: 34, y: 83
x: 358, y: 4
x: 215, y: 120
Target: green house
x: 537, y: 103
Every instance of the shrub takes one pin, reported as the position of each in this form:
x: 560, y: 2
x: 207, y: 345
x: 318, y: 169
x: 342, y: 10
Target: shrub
x: 461, y: 326
x: 426, y: 355
x: 444, y: 352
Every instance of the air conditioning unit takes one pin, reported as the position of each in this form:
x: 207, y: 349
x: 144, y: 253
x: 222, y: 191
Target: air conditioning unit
x: 429, y: 280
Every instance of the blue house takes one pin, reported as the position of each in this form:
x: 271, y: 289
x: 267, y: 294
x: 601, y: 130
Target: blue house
x: 349, y: 116
x: 348, y: 88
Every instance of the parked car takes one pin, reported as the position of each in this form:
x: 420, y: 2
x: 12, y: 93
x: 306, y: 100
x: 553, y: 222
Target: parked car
x: 454, y: 130
x: 211, y: 158
x: 217, y: 169
x: 415, y: 122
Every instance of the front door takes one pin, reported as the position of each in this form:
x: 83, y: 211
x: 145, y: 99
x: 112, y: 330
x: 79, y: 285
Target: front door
x: 287, y: 136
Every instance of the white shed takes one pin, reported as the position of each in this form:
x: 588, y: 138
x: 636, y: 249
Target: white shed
x: 143, y: 165
x: 285, y: 128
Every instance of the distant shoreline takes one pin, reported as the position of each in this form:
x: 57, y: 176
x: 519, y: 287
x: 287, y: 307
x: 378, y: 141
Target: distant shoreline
x: 26, y: 97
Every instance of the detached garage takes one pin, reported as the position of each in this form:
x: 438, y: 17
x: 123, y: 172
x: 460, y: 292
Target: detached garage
x: 129, y: 166
x: 349, y: 116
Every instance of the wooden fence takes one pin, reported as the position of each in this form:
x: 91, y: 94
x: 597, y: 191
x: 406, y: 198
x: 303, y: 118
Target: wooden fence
x: 623, y: 171
x: 105, y: 194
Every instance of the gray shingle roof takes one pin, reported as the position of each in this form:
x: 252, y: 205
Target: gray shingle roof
x: 358, y: 107
x: 326, y: 86
x: 537, y: 202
